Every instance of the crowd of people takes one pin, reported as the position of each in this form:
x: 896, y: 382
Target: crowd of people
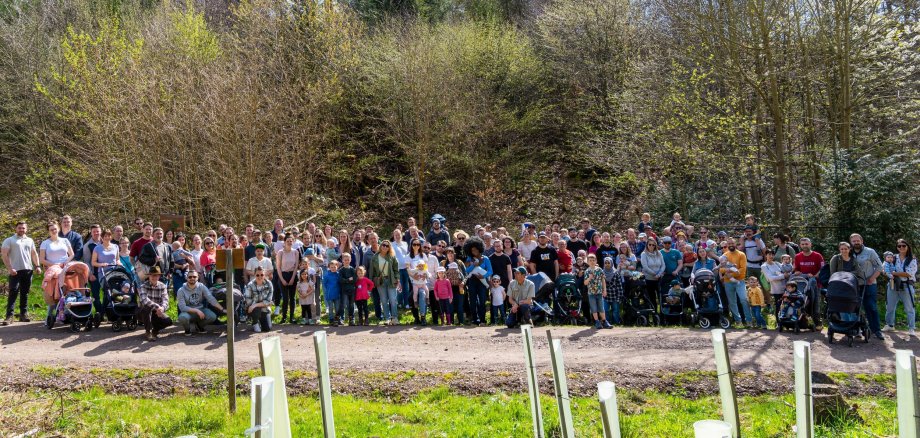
x: 441, y: 277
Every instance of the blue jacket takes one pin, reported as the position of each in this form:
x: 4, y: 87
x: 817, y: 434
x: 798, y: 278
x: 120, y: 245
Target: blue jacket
x: 331, y: 285
x: 484, y: 264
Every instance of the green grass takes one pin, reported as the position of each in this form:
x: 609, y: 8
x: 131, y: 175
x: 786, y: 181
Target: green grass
x: 434, y: 413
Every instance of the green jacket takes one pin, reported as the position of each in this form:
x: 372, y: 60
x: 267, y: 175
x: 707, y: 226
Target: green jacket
x: 386, y: 277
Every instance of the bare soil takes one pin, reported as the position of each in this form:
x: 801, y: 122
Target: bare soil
x: 396, y: 362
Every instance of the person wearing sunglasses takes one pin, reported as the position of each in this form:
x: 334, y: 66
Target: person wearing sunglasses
x: 138, y: 230
x: 258, y: 299
x: 459, y: 240
x: 902, y: 272
x: 192, y: 300
x: 653, y: 266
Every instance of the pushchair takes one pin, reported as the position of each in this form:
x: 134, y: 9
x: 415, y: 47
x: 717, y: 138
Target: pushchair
x: 707, y: 302
x: 74, y: 303
x: 638, y: 308
x: 796, y: 309
x: 121, y: 298
x: 219, y: 292
x: 844, y: 299
x: 672, y: 309
x: 568, y: 300
x: 542, y: 310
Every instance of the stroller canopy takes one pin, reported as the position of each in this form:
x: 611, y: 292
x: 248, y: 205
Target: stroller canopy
x: 703, y: 275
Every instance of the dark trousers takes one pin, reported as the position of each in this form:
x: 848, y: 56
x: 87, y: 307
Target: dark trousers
x: 378, y: 309
x: 362, y: 310
x: 263, y: 317
x: 95, y: 288
x: 306, y: 312
x: 151, y: 321
x: 287, y: 296
x: 19, y: 286
x: 498, y: 312
x: 458, y: 304
x: 348, y: 303
x: 434, y: 307
x: 652, y: 288
x: 446, y: 311
x: 522, y: 316
x: 479, y: 297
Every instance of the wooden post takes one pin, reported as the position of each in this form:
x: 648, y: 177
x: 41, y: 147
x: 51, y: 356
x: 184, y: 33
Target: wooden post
x: 607, y: 394
x: 908, y: 400
x: 325, y: 388
x: 726, y: 382
x: 231, y: 327
x: 804, y: 407
x: 533, y: 389
x: 562, y: 387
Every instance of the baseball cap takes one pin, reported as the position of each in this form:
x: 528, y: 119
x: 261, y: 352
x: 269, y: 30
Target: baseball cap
x: 666, y: 239
x: 542, y: 234
x: 521, y: 270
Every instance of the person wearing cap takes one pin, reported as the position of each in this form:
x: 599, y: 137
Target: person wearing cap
x: 521, y: 293
x: 673, y: 263
x: 443, y: 293
x: 438, y: 233
x: 153, y: 303
x: 497, y: 293
x: 544, y: 258
x: 192, y: 299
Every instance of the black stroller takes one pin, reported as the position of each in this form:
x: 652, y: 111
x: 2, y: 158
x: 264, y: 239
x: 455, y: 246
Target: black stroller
x: 542, y: 309
x: 121, y: 298
x: 568, y: 300
x: 707, y: 302
x: 844, y: 300
x: 638, y: 308
x: 801, y: 317
x: 219, y: 292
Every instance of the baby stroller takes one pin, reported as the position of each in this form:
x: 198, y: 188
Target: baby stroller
x: 568, y: 300
x: 795, y: 311
x: 542, y: 309
x: 74, y: 305
x: 120, y: 298
x: 707, y: 302
x: 672, y: 308
x: 219, y: 292
x: 843, y: 308
x: 638, y: 308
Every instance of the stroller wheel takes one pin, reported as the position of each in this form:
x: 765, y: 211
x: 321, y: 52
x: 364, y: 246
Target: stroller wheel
x: 797, y: 329
x: 704, y: 323
x: 132, y: 324
x: 866, y: 336
x: 641, y: 321
x: 116, y: 326
x: 657, y: 320
x: 97, y: 319
x: 724, y: 322
x: 75, y: 327
x: 850, y: 341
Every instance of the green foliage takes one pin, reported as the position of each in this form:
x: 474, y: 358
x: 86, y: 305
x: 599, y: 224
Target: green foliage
x: 192, y: 37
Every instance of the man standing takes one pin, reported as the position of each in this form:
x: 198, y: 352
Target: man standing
x: 870, y: 267
x: 95, y: 239
x: 808, y: 262
x: 117, y: 233
x: 753, y: 247
x: 575, y: 244
x: 673, y: 263
x: 521, y: 293
x: 278, y: 231
x: 154, y: 253
x: 438, y: 233
x: 544, y: 259
x: 501, y: 264
x: 138, y: 244
x: 75, y: 239
x: 734, y: 283
x: 21, y: 259
x: 357, y: 242
x: 138, y: 230
x: 153, y: 304
x: 566, y: 259
x: 191, y: 299
x: 372, y: 248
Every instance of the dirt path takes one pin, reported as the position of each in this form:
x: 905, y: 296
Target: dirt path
x: 445, y: 349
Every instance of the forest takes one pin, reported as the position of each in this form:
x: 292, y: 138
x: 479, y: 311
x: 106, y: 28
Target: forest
x: 802, y: 112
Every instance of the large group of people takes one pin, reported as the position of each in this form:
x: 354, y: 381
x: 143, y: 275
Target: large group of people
x: 440, y: 277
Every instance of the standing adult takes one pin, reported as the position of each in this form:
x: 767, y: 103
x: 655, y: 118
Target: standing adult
x: 438, y: 233
x: 117, y: 233
x: 459, y: 240
x: 400, y: 250
x: 508, y: 247
x: 783, y: 246
x: 138, y: 244
x: 775, y: 276
x: 653, y: 267
x: 138, y: 230
x: 566, y: 259
x: 54, y: 253
x: 478, y: 268
x: 278, y: 230
x: 370, y: 249
x: 154, y: 301
x: 103, y: 259
x: 21, y: 259
x: 901, y: 287
x: 155, y: 252
x: 286, y: 263
x: 544, y: 258
x: 843, y: 261
x: 527, y: 244
x: 753, y: 247
x: 673, y: 263
x: 385, y: 275
x: 576, y: 244
x: 75, y: 239
x: 501, y: 264
x: 735, y: 283
x: 870, y: 267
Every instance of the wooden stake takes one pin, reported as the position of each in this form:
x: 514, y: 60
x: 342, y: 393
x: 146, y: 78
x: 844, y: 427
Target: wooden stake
x: 231, y: 327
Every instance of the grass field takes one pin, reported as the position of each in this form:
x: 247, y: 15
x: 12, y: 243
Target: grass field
x: 435, y: 413
x: 37, y: 310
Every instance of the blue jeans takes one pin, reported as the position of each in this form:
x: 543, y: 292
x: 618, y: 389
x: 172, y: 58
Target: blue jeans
x: 479, y: 296
x: 178, y: 280
x: 758, y: 316
x: 870, y: 303
x: 186, y: 319
x: 406, y: 288
x: 333, y: 306
x: 613, y: 312
x: 906, y: 297
x: 496, y: 312
x: 458, y: 305
x: 737, y: 294
x: 420, y: 297
x: 388, y: 302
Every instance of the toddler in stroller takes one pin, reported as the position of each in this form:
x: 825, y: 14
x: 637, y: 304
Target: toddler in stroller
x: 120, y: 298
x: 792, y: 308
x: 843, y: 308
x: 707, y: 303
x: 72, y: 304
x: 672, y: 303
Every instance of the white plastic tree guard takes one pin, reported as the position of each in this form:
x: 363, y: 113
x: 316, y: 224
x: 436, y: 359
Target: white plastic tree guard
x: 804, y: 403
x: 325, y: 388
x: 262, y: 407
x: 272, y: 366
x: 610, y: 416
x: 726, y: 382
x: 908, y: 400
x: 566, y: 425
x: 533, y: 389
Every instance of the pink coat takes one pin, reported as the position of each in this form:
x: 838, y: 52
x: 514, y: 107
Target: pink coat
x: 442, y: 290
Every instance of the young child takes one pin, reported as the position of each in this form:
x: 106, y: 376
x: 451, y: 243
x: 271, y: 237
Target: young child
x: 888, y: 267
x: 306, y: 289
x: 792, y: 301
x: 363, y: 289
x: 443, y: 292
x: 727, y: 268
x: 750, y: 221
x: 455, y: 276
x: 645, y: 225
x: 420, y: 277
x: 755, y: 299
x: 674, y: 293
x: 180, y: 259
x: 689, y: 257
x: 615, y: 290
x: 347, y: 279
x: 333, y: 292
x: 785, y: 265
x: 596, y: 283
x: 498, y: 300
x: 676, y: 220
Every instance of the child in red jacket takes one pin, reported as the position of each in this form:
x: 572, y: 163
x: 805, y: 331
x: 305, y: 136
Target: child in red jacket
x: 363, y: 289
x: 444, y: 293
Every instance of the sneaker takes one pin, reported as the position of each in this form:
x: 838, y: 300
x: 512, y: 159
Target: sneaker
x: 880, y: 336
x: 7, y: 321
x: 277, y: 311
x: 606, y: 325
x: 910, y: 332
x: 257, y: 328
x: 188, y: 332
x: 597, y: 325
x: 150, y: 337
x: 24, y: 318
x: 888, y: 328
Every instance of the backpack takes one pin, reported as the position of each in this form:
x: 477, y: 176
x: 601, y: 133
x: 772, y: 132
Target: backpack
x: 148, y: 255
